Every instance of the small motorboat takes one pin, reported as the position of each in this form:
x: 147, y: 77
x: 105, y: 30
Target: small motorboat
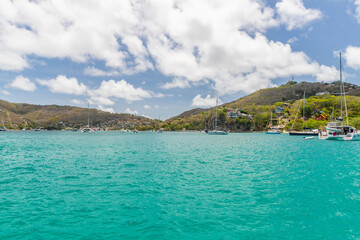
x: 308, y: 138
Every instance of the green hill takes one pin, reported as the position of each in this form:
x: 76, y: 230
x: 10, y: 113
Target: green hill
x: 254, y: 109
x: 21, y: 115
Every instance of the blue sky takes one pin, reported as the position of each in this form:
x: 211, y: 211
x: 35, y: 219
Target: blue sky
x: 162, y: 57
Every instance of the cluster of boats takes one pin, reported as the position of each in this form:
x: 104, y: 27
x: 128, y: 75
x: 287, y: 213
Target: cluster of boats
x: 335, y: 130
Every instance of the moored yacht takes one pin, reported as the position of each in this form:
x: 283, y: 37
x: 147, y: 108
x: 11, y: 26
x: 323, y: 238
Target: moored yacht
x: 336, y: 130
x: 87, y: 128
x: 217, y: 131
x: 272, y: 130
x: 305, y: 131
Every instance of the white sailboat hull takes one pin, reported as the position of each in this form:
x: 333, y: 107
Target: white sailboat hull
x: 217, y: 132
x: 269, y: 132
x: 347, y: 137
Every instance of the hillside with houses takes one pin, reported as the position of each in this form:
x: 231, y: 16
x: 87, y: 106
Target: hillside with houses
x: 252, y: 113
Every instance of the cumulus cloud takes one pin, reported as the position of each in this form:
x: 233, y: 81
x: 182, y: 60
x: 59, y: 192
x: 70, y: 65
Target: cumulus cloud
x: 105, y: 109
x: 293, y: 14
x: 176, y: 83
x: 94, y: 99
x: 222, y: 43
x: 357, y: 10
x: 63, y: 84
x: 327, y: 74
x: 208, y: 101
x: 122, y: 90
x: 227, y: 50
x: 352, y: 56
x: 76, y: 30
x: 95, y: 72
x: 23, y: 83
x: 147, y: 106
x: 133, y: 112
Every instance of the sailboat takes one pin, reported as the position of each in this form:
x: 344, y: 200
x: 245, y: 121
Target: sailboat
x: 337, y: 130
x: 313, y: 132
x: 160, y: 130
x: 217, y: 131
x: 87, y: 128
x: 272, y: 130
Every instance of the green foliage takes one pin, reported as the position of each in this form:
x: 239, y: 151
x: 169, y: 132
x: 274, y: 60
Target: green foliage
x: 308, y: 111
x: 287, y: 111
x: 314, y: 124
x: 260, y: 121
x: 355, y: 122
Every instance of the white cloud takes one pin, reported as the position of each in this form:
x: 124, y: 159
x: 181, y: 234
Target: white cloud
x: 121, y: 90
x: 327, y: 74
x: 94, y: 99
x: 133, y: 112
x: 147, y: 106
x: 105, y: 109
x: 78, y: 30
x: 292, y: 40
x: 222, y: 43
x: 23, y: 83
x: 352, y: 56
x: 208, y: 101
x: 176, y: 83
x: 5, y: 92
x: 357, y: 10
x: 77, y: 101
x: 62, y: 84
x: 92, y: 71
x: 11, y: 61
x: 293, y: 14
x: 220, y: 46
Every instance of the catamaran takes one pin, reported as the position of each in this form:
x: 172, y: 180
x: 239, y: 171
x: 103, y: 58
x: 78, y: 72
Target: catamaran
x: 336, y: 130
x: 217, y: 131
x: 310, y: 132
x: 272, y: 130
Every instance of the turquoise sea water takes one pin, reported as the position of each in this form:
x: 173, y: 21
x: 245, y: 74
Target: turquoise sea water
x: 112, y: 185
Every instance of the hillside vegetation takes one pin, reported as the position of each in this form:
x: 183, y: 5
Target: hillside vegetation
x: 252, y: 112
x: 29, y: 116
x: 255, y: 109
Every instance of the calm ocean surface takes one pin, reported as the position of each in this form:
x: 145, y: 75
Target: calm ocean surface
x: 112, y: 185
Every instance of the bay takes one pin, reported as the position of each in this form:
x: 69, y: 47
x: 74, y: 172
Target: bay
x: 114, y: 185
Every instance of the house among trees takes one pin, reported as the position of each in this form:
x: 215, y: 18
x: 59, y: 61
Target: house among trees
x: 279, y: 109
x: 321, y: 93
x: 237, y: 114
x: 321, y: 117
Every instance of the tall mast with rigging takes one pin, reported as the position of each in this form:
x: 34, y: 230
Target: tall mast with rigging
x: 88, y: 115
x: 216, y: 113
x: 341, y: 92
x: 304, y: 111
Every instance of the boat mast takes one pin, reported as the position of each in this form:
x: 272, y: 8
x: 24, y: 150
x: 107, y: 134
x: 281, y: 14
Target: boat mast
x: 216, y: 113
x: 88, y: 115
x: 304, y: 111
x: 341, y: 91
